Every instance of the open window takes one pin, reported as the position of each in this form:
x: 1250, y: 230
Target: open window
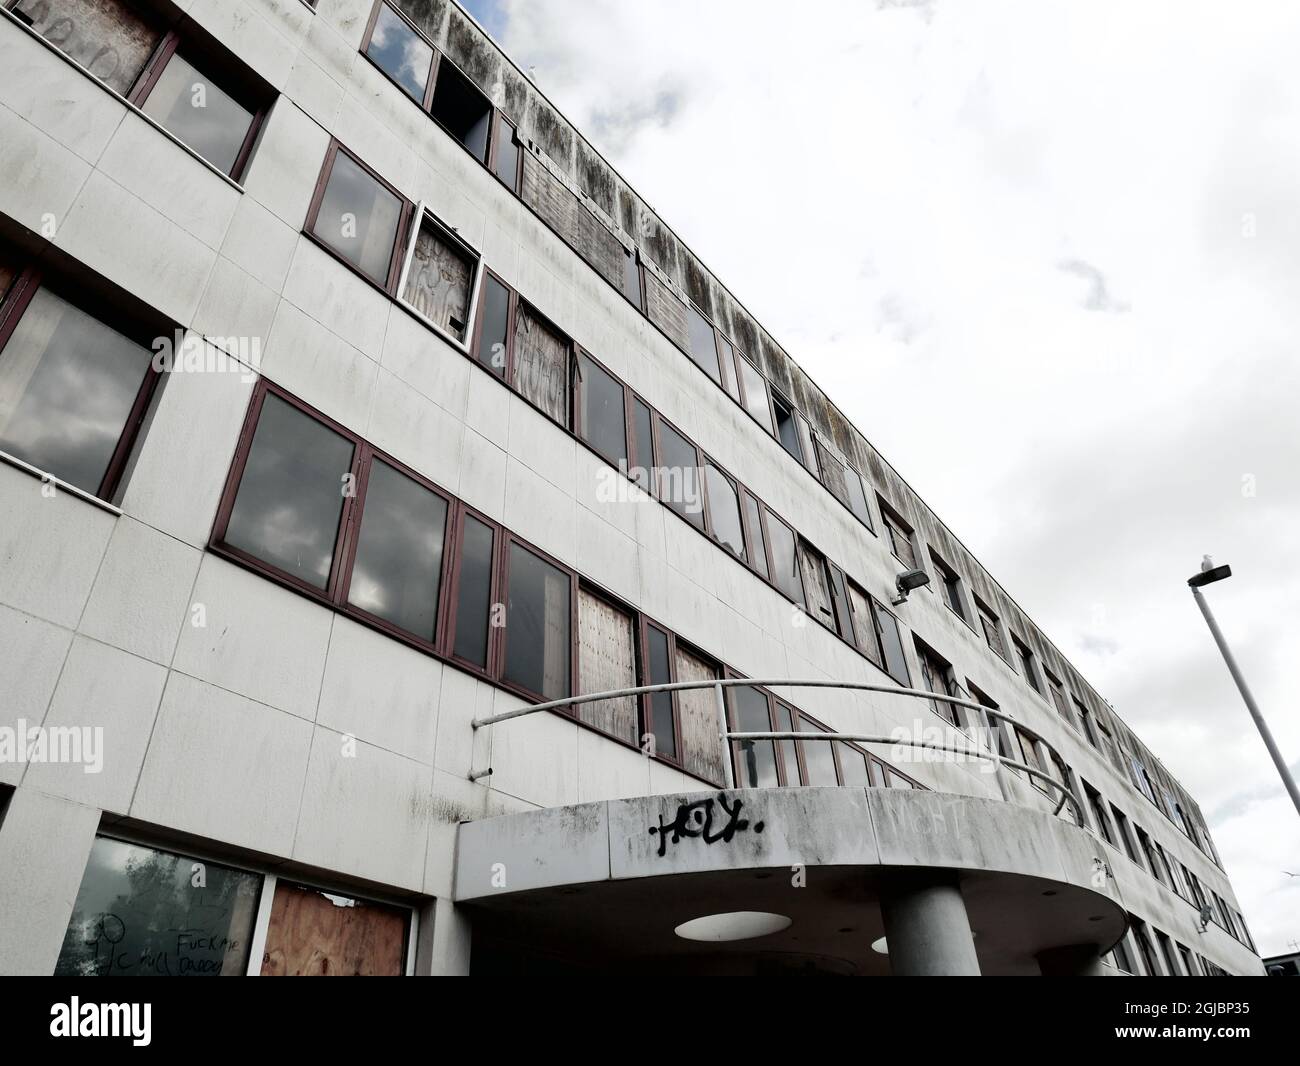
x: 899, y: 535
x: 440, y: 277
x: 726, y: 525
x: 461, y: 109
x: 937, y: 675
x: 507, y: 153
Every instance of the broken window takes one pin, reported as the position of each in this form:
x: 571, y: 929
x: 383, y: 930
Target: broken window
x: 358, y: 217
x: 440, y: 278
x: 474, y: 591
x: 107, y: 37
x: 537, y: 625
x: 200, y: 114
x: 703, y: 349
x: 603, y: 412
x: 400, y: 52
x: 936, y: 675
x: 724, y: 511
x: 787, y: 431
x: 68, y: 387
x: 698, y: 711
x: 785, y: 559
x: 754, y: 388
x: 632, y: 278
x: 397, y: 572
x: 606, y: 661
x: 291, y: 493
x: 541, y: 364
x: 462, y: 110
x: 816, y: 584
x: 755, y: 760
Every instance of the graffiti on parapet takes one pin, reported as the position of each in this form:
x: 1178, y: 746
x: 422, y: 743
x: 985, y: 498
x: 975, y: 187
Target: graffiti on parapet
x: 696, y: 820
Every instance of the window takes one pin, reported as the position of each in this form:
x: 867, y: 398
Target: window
x: 806, y: 444
x: 1167, y: 953
x: 138, y: 914
x: 1057, y: 691
x: 843, y: 483
x: 1142, y: 779
x: 439, y: 277
x: 633, y: 288
x: 703, y: 349
x: 474, y: 591
x: 292, y: 488
x: 607, y: 661
x: 312, y: 933
x: 1153, y: 862
x: 507, y: 155
x: 787, y: 432
x: 785, y: 561
x: 1098, y: 807
x: 1121, y: 827
x: 899, y: 536
x: 602, y: 412
x: 660, y: 715
x: 791, y: 771
x: 1185, y: 954
x: 493, y: 344
x: 697, y: 709
x: 891, y: 644
x: 397, y: 48
x: 840, y: 598
x: 816, y: 584
x: 1029, y: 756
x: 679, y: 475
x: 725, y: 523
x: 538, y: 605
x: 357, y: 216
x: 858, y: 497
x: 865, y: 633
x: 727, y: 359
x: 1120, y: 956
x: 855, y: 765
x: 1027, y: 664
x: 1144, y: 946
x: 818, y: 755
x: 397, y: 572
x: 73, y: 390
x: 755, y: 760
x: 952, y: 595
x: 1085, y: 721
x: 461, y: 110
x: 753, y: 389
x: 756, y: 539
x: 937, y: 676
x: 643, y: 437
x: 992, y: 631
x: 540, y: 358
x: 107, y: 37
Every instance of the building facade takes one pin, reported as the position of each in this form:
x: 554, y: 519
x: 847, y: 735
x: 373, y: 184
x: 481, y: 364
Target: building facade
x: 349, y: 401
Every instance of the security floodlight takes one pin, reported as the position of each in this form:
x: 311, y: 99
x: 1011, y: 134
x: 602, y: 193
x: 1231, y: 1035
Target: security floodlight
x: 907, y: 581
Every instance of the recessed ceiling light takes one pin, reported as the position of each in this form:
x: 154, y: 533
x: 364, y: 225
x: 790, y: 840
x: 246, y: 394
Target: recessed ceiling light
x: 880, y: 947
x: 733, y: 925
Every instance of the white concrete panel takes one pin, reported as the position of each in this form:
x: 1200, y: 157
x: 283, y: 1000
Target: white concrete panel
x: 266, y: 42
x: 539, y: 512
x: 283, y: 172
x: 51, y: 547
x: 101, y: 689
x: 381, y: 691
x: 39, y: 178
x: 310, y: 87
x: 487, y: 409
x: 535, y: 443
x: 429, y: 364
x: 365, y: 812
x: 337, y: 298
x: 31, y: 659
x: 415, y: 430
x: 260, y: 243
x: 224, y: 767
x: 535, y: 758
x: 460, y: 749
x: 236, y: 311
x: 141, y: 596
x: 183, y: 464
x: 609, y: 770
x: 152, y: 167
x: 260, y: 640
x: 482, y: 475
x: 457, y: 800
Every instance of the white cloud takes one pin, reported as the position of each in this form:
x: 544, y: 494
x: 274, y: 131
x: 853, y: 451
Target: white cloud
x: 1077, y: 225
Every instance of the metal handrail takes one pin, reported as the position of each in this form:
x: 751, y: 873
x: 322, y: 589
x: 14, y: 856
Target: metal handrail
x: 1045, y: 751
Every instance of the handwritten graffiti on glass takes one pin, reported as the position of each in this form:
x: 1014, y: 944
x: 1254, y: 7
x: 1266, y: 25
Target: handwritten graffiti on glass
x: 695, y: 820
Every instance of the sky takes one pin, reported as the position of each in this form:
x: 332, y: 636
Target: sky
x: 1045, y: 255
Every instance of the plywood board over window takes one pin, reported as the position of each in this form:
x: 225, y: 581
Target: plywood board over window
x: 541, y: 364
x: 439, y: 280
x: 318, y: 934
x: 698, y: 714
x: 813, y: 568
x: 606, y: 661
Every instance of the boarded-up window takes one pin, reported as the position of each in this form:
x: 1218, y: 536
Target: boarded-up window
x: 992, y: 631
x: 864, y: 624
x: 832, y: 473
x: 105, y: 36
x: 541, y: 365
x: 900, y: 538
x: 606, y: 660
x: 438, y: 281
x: 698, y: 713
x: 318, y: 934
x: 816, y: 587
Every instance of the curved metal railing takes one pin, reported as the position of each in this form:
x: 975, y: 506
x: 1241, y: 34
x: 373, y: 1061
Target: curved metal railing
x: 987, y: 715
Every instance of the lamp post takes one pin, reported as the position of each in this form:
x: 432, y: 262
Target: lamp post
x: 1209, y: 574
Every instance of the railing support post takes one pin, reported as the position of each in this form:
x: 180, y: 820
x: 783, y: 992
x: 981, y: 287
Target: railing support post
x: 728, y: 778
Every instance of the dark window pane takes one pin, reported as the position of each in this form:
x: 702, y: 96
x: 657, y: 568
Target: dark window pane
x: 138, y: 914
x: 105, y: 36
x: 506, y: 163
x: 398, y: 568
x: 755, y: 393
x: 358, y: 218
x: 290, y: 497
x: 724, y: 510
x: 727, y: 356
x: 758, y: 545
x: 857, y: 497
x: 67, y: 386
x: 603, y: 415
x: 703, y: 349
x: 818, y: 757
x: 679, y: 475
x: 853, y: 764
x: 755, y: 759
x: 496, y: 321
x: 661, y: 703
x: 843, y: 624
x: 195, y: 109
x: 537, y: 625
x: 643, y: 432
x: 439, y: 280
x: 900, y: 540
x: 952, y: 591
x: 401, y: 53
x: 606, y: 661
x: 892, y: 644
x: 541, y: 372
x: 786, y: 430
x: 463, y: 111
x: 788, y: 749
x: 632, y: 278
x: 474, y: 593
x: 785, y: 561
x: 7, y: 274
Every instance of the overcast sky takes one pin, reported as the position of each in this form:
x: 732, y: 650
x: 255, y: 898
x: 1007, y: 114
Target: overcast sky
x: 1046, y: 256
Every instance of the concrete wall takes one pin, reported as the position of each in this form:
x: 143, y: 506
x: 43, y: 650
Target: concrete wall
x: 232, y: 732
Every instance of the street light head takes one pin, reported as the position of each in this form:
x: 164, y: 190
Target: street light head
x: 1206, y: 577
x: 907, y: 581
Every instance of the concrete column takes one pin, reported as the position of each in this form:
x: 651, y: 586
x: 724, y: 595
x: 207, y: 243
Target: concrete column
x: 1071, y: 960
x: 44, y: 844
x: 926, y: 927
x: 449, y: 949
